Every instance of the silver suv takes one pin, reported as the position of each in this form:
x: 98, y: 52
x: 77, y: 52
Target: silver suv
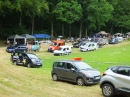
x: 115, y: 80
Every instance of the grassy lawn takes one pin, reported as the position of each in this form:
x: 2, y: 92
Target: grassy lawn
x: 37, y: 82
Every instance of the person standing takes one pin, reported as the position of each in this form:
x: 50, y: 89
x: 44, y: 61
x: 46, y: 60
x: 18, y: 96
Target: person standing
x: 8, y: 42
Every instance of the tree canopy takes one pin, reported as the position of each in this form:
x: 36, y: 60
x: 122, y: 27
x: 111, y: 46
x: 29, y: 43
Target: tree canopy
x: 50, y: 16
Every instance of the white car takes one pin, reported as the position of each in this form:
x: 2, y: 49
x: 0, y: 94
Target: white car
x: 87, y: 46
x: 63, y: 50
x: 116, y: 80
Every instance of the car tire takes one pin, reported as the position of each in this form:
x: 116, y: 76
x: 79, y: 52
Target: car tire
x: 86, y: 50
x: 29, y: 65
x: 15, y: 63
x: 107, y: 90
x: 55, y: 77
x: 80, y: 82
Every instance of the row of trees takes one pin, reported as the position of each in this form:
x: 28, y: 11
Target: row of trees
x: 77, y: 18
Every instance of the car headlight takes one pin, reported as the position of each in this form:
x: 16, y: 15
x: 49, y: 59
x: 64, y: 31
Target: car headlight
x: 87, y: 74
x: 33, y: 60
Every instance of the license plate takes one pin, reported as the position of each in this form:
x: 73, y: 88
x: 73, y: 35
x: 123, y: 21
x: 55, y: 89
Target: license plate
x: 38, y: 64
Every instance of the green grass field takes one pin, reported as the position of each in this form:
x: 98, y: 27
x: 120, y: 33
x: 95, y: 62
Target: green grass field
x: 37, y: 82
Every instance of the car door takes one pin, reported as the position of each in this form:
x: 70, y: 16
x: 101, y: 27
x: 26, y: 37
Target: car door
x: 17, y: 49
x: 90, y: 46
x: 70, y: 74
x: 60, y: 70
x: 123, y: 77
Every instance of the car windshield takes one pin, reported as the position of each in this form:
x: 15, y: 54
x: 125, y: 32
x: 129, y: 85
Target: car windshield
x: 11, y: 47
x: 83, y: 44
x: 82, y: 65
x: 54, y: 44
x: 32, y: 56
x: 60, y: 48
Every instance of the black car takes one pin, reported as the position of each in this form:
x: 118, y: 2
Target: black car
x: 77, y: 44
x: 26, y: 59
x: 75, y: 71
x: 16, y: 48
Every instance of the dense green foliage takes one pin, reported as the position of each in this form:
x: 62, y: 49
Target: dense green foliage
x: 77, y: 18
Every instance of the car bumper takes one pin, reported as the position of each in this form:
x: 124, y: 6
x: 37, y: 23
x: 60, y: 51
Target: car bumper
x: 9, y: 51
x: 90, y: 81
x: 83, y: 50
x: 36, y: 64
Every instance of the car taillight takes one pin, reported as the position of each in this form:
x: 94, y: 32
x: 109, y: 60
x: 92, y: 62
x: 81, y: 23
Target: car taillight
x: 103, y: 74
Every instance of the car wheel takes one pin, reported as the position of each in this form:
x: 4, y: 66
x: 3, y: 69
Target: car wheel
x: 15, y: 63
x: 107, y: 90
x: 86, y: 50
x: 80, y: 81
x: 29, y: 65
x: 55, y: 77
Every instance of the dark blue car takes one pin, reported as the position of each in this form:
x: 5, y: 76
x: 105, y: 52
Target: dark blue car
x: 20, y: 48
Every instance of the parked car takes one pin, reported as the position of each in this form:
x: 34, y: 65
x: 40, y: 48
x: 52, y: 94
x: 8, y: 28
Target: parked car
x: 120, y: 39
x: 56, y: 45
x: 77, y: 44
x: 26, y: 59
x: 113, y: 40
x: 75, y: 71
x: 16, y: 48
x: 87, y: 46
x: 115, y: 80
x: 63, y: 50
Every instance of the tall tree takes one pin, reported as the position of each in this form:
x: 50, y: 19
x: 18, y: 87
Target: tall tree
x: 111, y: 21
x: 68, y: 12
x: 52, y: 4
x: 99, y: 12
x: 31, y: 8
x: 122, y: 14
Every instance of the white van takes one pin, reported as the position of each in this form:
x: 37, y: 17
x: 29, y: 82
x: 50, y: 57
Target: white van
x: 87, y: 46
x: 120, y: 39
x: 63, y: 50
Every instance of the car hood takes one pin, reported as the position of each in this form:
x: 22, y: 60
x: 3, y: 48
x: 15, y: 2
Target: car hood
x: 10, y: 47
x: 90, y: 72
x: 36, y: 60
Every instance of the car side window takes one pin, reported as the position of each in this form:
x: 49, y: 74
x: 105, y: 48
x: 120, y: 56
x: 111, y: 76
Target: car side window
x: 114, y: 69
x: 123, y: 71
x: 69, y: 66
x: 89, y: 45
x: 59, y: 64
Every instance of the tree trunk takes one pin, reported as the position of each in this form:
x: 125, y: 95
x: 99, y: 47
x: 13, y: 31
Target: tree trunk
x: 62, y: 29
x: 70, y: 30
x: 80, y: 32
x: 121, y: 30
x: 52, y: 36
x: 86, y: 33
x: 32, y: 25
x: 1, y: 22
x: 20, y: 20
x: 111, y: 30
